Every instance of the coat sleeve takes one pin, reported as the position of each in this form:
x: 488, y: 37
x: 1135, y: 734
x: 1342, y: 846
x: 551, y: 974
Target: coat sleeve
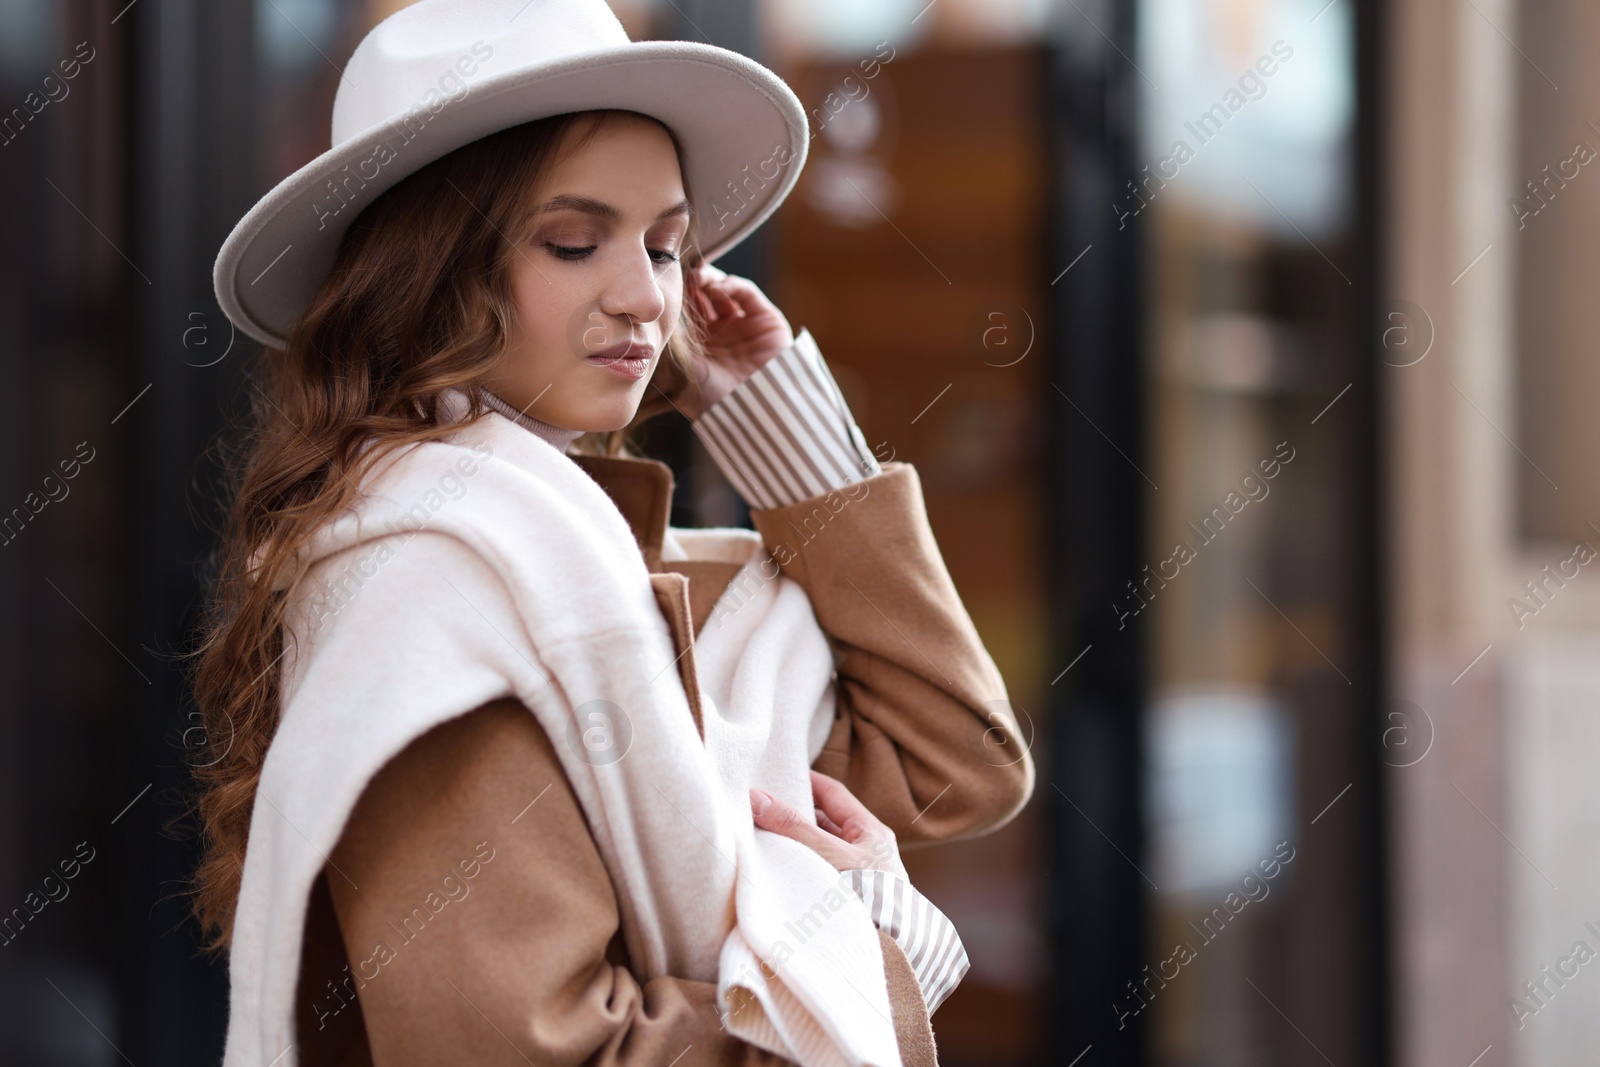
x: 924, y: 733
x: 481, y: 925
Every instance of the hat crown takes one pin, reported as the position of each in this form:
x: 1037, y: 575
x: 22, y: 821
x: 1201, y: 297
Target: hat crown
x: 433, y: 50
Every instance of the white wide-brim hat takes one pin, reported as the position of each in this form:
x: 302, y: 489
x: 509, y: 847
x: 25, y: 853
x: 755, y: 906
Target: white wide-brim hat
x: 442, y: 73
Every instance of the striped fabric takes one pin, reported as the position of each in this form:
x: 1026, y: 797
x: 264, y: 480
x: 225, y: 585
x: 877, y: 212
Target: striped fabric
x: 928, y: 938
x: 785, y: 433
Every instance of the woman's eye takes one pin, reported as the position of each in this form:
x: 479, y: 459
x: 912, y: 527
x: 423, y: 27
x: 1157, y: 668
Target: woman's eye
x: 658, y: 255
x: 568, y: 252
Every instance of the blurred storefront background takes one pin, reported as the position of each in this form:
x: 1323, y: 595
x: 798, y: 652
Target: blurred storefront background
x: 1242, y: 348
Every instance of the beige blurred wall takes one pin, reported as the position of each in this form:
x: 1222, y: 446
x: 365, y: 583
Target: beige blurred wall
x: 1557, y: 205
x: 1495, y: 869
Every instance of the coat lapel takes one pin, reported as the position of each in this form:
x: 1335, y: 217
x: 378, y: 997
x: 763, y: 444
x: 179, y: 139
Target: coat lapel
x: 642, y: 490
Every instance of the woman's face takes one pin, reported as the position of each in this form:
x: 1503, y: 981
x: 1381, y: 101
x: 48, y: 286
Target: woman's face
x: 597, y: 272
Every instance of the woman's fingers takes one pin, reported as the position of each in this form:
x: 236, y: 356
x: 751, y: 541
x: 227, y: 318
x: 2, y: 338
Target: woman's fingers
x: 841, y: 805
x: 773, y: 814
x: 846, y: 833
x: 744, y: 297
x: 724, y: 295
x: 828, y: 824
x: 856, y: 822
x: 727, y: 306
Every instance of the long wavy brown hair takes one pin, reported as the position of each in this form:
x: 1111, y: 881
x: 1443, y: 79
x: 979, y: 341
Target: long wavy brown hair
x: 418, y: 301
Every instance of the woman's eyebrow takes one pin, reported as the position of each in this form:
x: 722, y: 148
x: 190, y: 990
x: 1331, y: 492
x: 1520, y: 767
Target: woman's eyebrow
x: 590, y: 206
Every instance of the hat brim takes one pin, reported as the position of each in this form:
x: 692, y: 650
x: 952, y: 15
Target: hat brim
x: 729, y: 112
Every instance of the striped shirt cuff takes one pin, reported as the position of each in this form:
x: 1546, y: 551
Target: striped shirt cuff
x: 785, y: 433
x: 926, y: 935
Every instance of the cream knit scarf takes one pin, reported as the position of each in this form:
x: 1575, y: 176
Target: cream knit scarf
x: 492, y: 565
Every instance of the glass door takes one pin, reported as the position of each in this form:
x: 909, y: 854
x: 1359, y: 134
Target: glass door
x: 1255, y: 587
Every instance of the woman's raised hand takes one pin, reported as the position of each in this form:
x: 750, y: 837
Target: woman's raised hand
x: 743, y: 330
x: 847, y: 835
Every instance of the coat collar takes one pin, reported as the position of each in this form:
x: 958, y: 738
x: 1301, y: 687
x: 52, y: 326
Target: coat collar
x: 642, y: 490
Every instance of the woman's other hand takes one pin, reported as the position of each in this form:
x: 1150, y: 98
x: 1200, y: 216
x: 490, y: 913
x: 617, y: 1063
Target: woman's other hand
x: 743, y: 330
x: 847, y: 835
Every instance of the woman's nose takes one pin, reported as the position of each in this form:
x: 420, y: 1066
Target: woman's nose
x: 634, y: 288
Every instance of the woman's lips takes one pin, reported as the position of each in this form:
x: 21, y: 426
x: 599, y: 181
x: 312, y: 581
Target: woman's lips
x: 629, y: 360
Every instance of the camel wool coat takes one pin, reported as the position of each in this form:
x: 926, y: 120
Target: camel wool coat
x: 536, y: 971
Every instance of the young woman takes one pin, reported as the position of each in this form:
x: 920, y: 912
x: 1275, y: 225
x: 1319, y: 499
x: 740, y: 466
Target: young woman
x: 506, y: 769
